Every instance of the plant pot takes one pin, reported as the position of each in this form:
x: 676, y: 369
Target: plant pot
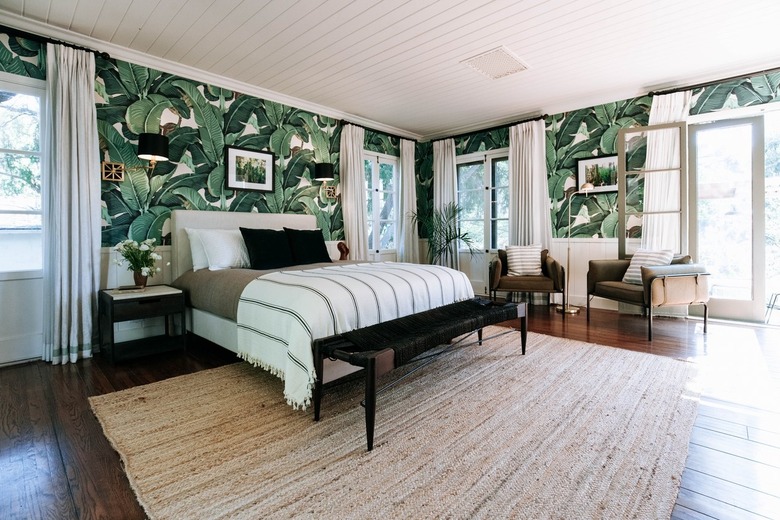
x: 140, y: 279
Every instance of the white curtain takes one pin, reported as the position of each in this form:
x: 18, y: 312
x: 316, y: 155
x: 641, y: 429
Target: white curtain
x: 662, y: 188
x: 529, y: 202
x: 71, y: 206
x: 408, y: 247
x: 445, y: 189
x: 353, y: 191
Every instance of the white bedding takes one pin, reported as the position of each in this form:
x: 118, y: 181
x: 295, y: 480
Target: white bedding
x: 279, y: 314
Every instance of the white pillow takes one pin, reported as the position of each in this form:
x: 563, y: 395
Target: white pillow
x: 199, y: 258
x: 524, y: 260
x: 224, y: 248
x: 645, y: 258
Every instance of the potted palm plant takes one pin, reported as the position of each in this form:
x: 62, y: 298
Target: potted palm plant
x: 444, y: 234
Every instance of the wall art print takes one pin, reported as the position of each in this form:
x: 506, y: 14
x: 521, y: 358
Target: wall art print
x: 601, y: 172
x: 249, y: 169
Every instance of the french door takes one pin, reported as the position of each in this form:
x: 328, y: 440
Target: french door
x: 728, y: 214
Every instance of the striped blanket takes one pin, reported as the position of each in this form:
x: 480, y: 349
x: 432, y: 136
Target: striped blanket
x: 279, y: 314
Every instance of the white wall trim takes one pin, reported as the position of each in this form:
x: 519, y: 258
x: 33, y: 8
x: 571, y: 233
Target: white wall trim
x: 147, y: 60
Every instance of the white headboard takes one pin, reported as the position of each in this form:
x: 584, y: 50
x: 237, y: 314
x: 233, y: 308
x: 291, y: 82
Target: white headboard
x: 181, y: 219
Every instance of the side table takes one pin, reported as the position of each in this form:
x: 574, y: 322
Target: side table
x: 115, y: 305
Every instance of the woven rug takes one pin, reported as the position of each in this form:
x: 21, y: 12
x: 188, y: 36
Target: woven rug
x: 570, y: 430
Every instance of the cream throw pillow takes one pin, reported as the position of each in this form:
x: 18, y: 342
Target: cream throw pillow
x: 524, y: 260
x: 199, y: 258
x: 225, y: 248
x: 645, y: 258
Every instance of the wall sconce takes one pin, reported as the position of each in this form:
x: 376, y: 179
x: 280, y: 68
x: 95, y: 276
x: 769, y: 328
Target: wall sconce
x: 153, y: 148
x: 323, y: 172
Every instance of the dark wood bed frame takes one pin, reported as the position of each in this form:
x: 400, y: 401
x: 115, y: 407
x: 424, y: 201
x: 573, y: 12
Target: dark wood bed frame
x: 404, y: 340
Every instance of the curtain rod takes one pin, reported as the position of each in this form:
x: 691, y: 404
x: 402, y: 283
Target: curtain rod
x: 713, y: 82
x: 345, y: 122
x: 497, y: 127
x: 12, y: 31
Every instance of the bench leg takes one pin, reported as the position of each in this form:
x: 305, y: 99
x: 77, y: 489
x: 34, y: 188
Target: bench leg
x: 523, y: 332
x: 370, y: 401
x: 479, y: 336
x: 377, y: 365
x: 318, y: 368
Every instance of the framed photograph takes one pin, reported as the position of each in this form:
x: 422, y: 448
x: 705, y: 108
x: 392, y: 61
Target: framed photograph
x: 247, y: 169
x: 599, y: 171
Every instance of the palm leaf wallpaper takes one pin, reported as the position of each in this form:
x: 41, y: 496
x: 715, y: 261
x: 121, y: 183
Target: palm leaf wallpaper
x: 201, y: 119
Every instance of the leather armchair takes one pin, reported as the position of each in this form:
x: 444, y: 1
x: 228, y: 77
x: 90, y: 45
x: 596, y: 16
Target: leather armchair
x: 552, y: 279
x: 681, y: 283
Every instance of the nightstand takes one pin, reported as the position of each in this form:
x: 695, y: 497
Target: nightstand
x: 155, y: 301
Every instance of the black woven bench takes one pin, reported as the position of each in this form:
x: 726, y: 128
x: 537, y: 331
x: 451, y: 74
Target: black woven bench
x: 380, y: 348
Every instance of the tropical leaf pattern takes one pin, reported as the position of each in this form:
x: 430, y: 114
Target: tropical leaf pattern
x: 200, y: 119
x: 22, y: 57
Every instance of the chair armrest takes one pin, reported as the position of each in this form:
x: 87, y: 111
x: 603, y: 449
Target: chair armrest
x: 555, y: 271
x: 606, y: 271
x: 495, y: 273
x: 676, y: 284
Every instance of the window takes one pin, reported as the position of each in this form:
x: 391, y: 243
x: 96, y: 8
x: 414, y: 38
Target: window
x: 20, y: 174
x: 382, y: 200
x: 483, y: 196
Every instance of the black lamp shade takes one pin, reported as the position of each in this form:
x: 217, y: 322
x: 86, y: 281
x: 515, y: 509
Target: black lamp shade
x: 153, y: 147
x: 323, y: 172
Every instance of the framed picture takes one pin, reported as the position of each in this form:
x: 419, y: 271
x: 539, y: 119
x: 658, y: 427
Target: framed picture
x: 599, y: 171
x: 247, y: 169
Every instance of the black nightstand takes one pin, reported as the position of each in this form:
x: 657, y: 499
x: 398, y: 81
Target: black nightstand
x: 115, y: 305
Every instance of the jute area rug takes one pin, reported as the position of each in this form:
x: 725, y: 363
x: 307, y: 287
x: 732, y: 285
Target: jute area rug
x: 570, y: 430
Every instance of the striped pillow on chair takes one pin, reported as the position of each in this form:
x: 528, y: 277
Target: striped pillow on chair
x: 524, y: 260
x: 645, y: 258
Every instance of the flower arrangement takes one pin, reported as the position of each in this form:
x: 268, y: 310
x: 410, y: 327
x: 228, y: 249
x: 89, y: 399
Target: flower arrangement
x: 139, y: 257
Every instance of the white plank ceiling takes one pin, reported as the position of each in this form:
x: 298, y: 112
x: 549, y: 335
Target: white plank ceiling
x: 397, y: 63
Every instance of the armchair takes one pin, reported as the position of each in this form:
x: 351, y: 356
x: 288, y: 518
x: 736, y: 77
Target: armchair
x: 552, y: 279
x: 680, y: 283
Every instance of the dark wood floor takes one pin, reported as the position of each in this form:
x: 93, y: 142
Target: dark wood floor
x: 56, y: 463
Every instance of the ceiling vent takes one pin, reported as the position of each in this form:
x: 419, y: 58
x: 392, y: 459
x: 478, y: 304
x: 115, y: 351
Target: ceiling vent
x: 496, y: 63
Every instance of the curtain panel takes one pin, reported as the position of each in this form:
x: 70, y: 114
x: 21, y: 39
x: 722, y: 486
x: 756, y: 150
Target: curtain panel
x: 353, y: 191
x: 409, y: 245
x: 71, y: 206
x: 529, y: 202
x: 445, y: 189
x: 662, y: 188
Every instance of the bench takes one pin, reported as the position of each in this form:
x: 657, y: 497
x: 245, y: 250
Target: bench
x: 404, y: 339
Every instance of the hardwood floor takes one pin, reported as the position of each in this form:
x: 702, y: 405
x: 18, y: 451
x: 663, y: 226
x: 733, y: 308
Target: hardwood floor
x: 56, y: 463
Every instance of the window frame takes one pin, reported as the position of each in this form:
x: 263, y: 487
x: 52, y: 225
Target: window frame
x: 490, y: 220
x: 31, y: 87
x: 375, y: 220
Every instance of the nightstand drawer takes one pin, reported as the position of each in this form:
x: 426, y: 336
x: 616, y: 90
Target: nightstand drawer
x: 149, y: 307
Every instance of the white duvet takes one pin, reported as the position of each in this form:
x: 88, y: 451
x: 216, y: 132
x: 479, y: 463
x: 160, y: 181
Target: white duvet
x: 279, y: 314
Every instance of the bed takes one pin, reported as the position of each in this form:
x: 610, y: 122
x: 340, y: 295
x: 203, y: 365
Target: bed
x: 270, y: 317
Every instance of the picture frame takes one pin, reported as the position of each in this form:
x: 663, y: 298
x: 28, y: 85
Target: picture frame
x: 600, y: 171
x: 247, y: 169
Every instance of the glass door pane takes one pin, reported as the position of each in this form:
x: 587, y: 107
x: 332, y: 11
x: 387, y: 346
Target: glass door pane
x: 728, y: 161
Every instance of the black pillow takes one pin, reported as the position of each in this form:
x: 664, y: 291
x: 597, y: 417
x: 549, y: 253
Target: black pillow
x: 307, y: 246
x: 267, y: 248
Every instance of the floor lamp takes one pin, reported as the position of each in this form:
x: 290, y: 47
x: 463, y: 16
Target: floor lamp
x: 566, y: 308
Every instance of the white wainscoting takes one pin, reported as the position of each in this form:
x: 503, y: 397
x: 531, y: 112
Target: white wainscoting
x: 21, y: 319
x: 582, y: 251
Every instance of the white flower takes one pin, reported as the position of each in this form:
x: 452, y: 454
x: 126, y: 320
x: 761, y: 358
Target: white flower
x: 144, y: 247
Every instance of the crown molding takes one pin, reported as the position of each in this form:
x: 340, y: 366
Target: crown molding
x: 172, y: 67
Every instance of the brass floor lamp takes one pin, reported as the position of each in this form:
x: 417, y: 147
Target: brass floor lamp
x: 571, y: 309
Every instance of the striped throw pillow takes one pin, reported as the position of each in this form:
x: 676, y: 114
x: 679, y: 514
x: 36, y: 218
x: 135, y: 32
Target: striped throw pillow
x: 524, y: 260
x: 646, y: 258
